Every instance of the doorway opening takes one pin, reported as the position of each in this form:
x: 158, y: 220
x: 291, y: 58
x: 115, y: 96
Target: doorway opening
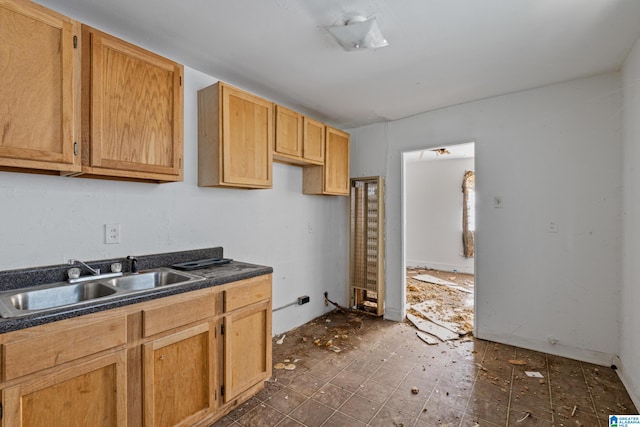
x: 439, y: 236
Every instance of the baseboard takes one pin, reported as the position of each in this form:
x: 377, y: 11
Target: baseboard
x: 632, y: 389
x: 583, y: 355
x: 441, y: 266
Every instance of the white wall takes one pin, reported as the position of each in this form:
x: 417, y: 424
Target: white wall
x: 434, y: 214
x: 48, y: 219
x: 552, y: 154
x: 630, y: 312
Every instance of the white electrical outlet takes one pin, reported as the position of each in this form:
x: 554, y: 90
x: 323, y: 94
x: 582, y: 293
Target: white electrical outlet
x: 112, y: 234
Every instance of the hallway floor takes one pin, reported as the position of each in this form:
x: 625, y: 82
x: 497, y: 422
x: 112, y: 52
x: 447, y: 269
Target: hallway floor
x: 380, y: 374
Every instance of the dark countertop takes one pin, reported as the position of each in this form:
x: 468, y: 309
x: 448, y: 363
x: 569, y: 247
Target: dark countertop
x: 213, y: 276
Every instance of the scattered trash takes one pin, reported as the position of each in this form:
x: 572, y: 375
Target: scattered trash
x: 290, y: 367
x: 517, y: 362
x: 415, y: 390
x: 527, y: 415
x: 431, y: 279
x: 574, y: 410
x: 316, y: 342
x: 278, y: 366
x: 426, y: 338
x: 439, y: 316
x: 328, y: 320
x: 542, y: 381
x: 431, y: 328
x: 534, y: 374
x: 281, y: 340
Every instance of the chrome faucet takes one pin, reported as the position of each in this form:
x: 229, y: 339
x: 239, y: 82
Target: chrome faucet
x: 94, y: 271
x: 74, y: 273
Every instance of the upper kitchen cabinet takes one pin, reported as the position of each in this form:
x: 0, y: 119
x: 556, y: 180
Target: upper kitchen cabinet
x: 235, y: 136
x: 132, y: 111
x: 314, y: 134
x: 333, y: 177
x: 288, y: 140
x: 299, y: 140
x: 39, y: 112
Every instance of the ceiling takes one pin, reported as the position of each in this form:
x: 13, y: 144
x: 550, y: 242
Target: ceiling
x: 440, y: 53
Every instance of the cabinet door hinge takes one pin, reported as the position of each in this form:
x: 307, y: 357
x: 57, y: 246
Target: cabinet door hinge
x: 75, y: 42
x: 221, y: 329
x: 75, y: 148
x: 222, y: 391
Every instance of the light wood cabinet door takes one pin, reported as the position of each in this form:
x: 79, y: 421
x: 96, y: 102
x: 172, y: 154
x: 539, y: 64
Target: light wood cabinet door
x: 247, y: 348
x: 314, y: 135
x: 132, y: 111
x: 333, y: 177
x: 288, y: 140
x: 84, y: 394
x: 39, y: 113
x: 178, y: 376
x: 336, y: 174
x: 299, y: 140
x: 235, y: 137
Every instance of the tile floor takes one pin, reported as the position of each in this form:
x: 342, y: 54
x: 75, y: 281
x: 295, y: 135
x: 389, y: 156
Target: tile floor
x: 465, y: 384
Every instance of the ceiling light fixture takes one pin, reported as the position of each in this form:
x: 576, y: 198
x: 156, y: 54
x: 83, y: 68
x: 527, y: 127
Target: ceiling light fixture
x: 358, y: 33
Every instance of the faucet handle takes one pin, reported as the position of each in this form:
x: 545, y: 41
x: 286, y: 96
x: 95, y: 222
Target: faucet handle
x: 73, y: 273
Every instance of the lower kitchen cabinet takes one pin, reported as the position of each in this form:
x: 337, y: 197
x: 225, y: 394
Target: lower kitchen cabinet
x: 247, y: 348
x: 158, y: 363
x: 179, y: 377
x: 92, y: 393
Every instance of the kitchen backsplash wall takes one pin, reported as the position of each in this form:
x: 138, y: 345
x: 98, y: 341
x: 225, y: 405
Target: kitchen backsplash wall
x: 48, y: 219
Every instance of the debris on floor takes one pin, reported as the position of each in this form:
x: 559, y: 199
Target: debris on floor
x: 281, y: 340
x: 517, y: 362
x: 445, y: 303
x: 336, y: 332
x: 446, y: 317
x: 426, y: 338
x: 431, y: 328
x: 431, y: 279
x: 533, y: 374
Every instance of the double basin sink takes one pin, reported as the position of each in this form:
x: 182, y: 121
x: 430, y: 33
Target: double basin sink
x: 63, y: 295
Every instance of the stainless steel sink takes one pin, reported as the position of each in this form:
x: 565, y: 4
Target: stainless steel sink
x: 149, y: 280
x: 63, y: 295
x: 59, y: 296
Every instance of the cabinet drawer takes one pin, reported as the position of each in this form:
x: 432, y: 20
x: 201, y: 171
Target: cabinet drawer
x: 189, y: 310
x: 48, y: 349
x: 247, y: 292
